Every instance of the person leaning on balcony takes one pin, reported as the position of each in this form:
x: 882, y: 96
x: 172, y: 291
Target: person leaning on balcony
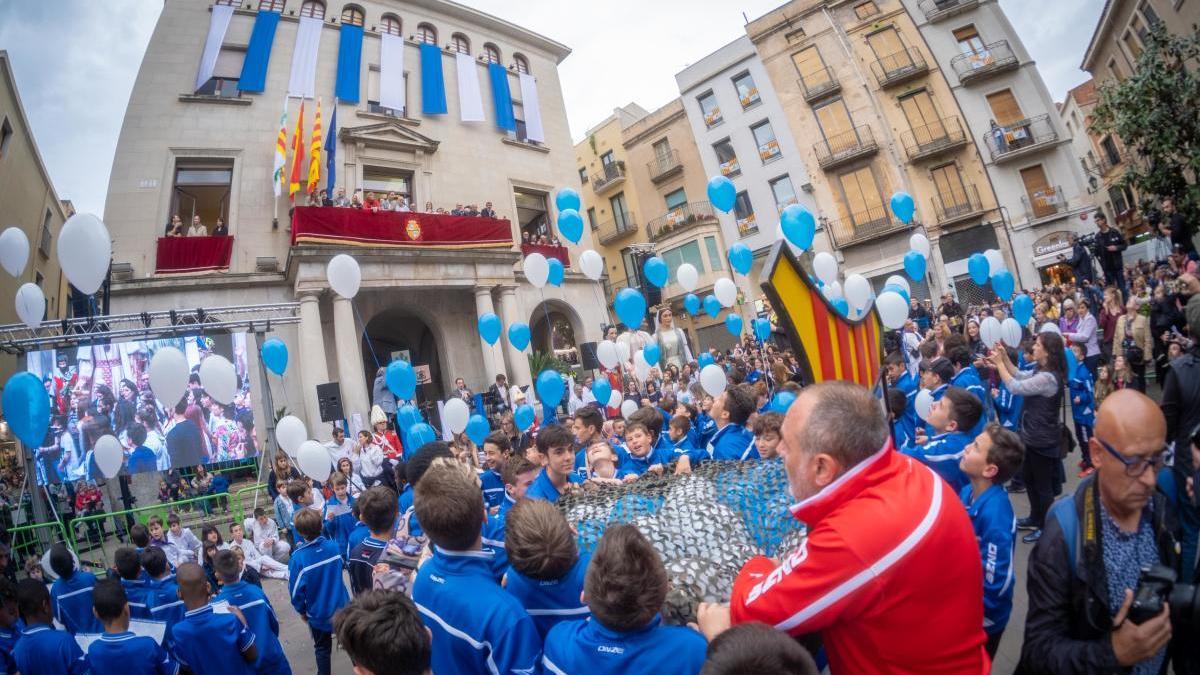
x: 221, y: 230
x: 197, y: 228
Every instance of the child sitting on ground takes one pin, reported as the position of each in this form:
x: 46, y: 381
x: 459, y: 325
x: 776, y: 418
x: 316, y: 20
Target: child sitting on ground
x: 554, y: 447
x: 950, y: 416
x: 117, y: 650
x: 256, y: 609
x: 767, y: 434
x: 319, y: 592
x: 757, y: 648
x: 547, y: 569
x: 383, y: 634
x: 208, y: 642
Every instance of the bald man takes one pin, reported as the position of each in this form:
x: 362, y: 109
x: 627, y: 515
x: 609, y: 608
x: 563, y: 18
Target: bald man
x: 1084, y: 569
x: 206, y: 641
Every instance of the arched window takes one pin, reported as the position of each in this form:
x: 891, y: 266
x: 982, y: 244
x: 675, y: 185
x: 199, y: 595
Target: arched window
x: 427, y: 34
x: 271, y: 5
x: 460, y: 44
x: 521, y: 63
x: 313, y: 8
x: 492, y: 53
x: 353, y: 15
x: 390, y: 24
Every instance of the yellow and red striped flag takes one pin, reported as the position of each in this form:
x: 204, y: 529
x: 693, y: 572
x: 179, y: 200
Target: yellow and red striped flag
x: 297, y: 148
x: 278, y: 179
x: 314, y: 159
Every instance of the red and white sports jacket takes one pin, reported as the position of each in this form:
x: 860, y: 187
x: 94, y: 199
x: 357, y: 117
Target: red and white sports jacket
x: 890, y: 574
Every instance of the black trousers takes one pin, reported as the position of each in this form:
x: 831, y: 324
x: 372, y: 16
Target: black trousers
x: 1040, y: 473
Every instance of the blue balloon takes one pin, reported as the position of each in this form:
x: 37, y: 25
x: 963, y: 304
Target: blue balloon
x: 421, y: 433
x: 489, y: 328
x: 733, y: 324
x: 799, y: 226
x: 570, y: 225
x: 27, y: 408
x: 978, y: 268
x: 524, y: 416
x: 1022, y: 309
x: 781, y: 402
x: 722, y: 193
x: 275, y: 355
x: 478, y: 429
x: 712, y: 306
x: 656, y: 271
x: 903, y: 206
x: 762, y: 329
x: 914, y: 265
x: 691, y: 302
x: 602, y: 390
x: 401, y: 379
x: 555, y: 277
x: 1003, y: 285
x: 841, y: 306
x: 741, y: 258
x: 705, y: 359
x: 651, y: 353
x: 518, y: 336
x: 550, y: 387
x: 630, y: 306
x: 898, y: 289
x: 567, y: 199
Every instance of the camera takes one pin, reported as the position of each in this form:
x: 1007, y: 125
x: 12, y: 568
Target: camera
x: 1156, y: 585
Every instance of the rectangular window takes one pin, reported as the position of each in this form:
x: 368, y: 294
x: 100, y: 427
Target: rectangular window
x: 951, y: 193
x: 676, y: 199
x: 1042, y: 197
x: 202, y: 190
x: 710, y: 109
x: 785, y: 194
x: 583, y: 175
x: 743, y: 212
x: 373, y: 94
x: 44, y: 242
x: 865, y: 9
x: 889, y: 50
x: 6, y: 134
x: 727, y: 158
x: 764, y: 138
x: 591, y: 214
x: 813, y: 73
x: 226, y: 73
x: 687, y: 253
x: 923, y: 118
x: 968, y: 39
x: 1004, y: 107
x: 746, y: 91
x: 620, y: 212
x: 862, y: 200
x: 714, y: 256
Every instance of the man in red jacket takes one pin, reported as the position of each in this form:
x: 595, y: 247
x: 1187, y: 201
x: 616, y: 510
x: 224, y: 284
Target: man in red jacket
x: 890, y: 573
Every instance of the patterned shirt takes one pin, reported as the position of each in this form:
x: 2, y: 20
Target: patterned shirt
x: 1125, y: 554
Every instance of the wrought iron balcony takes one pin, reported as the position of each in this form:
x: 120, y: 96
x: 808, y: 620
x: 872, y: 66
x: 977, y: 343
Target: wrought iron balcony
x: 845, y: 147
x: 934, y: 139
x: 979, y: 65
x: 618, y: 228
x: 938, y: 10
x: 1045, y: 204
x: 900, y: 67
x: 863, y: 226
x: 1020, y: 138
x: 663, y: 167
x: 819, y: 84
x: 679, y: 218
x: 611, y: 175
x: 957, y: 206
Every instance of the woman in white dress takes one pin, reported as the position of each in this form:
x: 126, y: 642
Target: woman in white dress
x: 672, y: 341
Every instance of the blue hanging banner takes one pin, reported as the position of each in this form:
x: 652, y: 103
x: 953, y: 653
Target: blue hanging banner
x: 258, y: 54
x: 502, y: 97
x: 433, y: 83
x: 349, y: 63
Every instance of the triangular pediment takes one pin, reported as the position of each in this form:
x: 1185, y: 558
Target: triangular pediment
x: 392, y: 135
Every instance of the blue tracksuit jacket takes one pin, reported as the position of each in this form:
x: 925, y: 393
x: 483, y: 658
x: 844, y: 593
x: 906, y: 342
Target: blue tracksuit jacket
x: 551, y: 602
x: 942, y: 454
x: 315, y: 584
x: 72, y: 603
x: 996, y: 531
x: 732, y: 442
x: 588, y: 647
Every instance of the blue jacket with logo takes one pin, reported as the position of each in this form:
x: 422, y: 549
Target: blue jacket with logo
x: 942, y: 454
x: 553, y: 601
x: 72, y: 602
x: 260, y: 617
x: 996, y: 531
x: 732, y: 442
x: 315, y: 584
x: 588, y: 647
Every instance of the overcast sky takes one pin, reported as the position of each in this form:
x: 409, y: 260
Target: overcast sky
x: 75, y: 61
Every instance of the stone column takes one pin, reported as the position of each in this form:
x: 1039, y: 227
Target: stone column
x: 492, y: 361
x: 518, y: 363
x: 349, y: 360
x: 313, y: 370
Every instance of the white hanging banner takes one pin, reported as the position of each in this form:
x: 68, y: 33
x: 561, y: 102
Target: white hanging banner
x: 303, y: 82
x: 212, y: 43
x: 531, y: 108
x: 391, y: 72
x: 470, y: 99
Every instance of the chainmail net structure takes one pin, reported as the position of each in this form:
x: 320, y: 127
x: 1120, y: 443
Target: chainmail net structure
x: 705, y: 525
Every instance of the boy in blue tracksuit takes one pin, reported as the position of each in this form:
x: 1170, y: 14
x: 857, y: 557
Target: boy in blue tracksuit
x: 731, y: 410
x: 206, y: 641
x: 118, y: 650
x: 989, y: 461
x: 138, y: 590
x: 547, y: 570
x: 554, y: 444
x: 315, y: 584
x: 950, y: 416
x: 253, y: 603
x: 71, y: 593
x: 1083, y: 406
x: 476, y: 626
x: 624, y: 589
x: 41, y: 648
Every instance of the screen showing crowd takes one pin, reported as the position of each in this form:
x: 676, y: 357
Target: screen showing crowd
x: 105, y: 389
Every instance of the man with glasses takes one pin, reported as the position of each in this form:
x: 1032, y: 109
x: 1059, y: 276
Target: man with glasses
x: 1084, y: 569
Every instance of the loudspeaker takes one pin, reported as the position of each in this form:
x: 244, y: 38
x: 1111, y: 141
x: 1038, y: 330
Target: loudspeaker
x: 329, y: 398
x: 587, y: 353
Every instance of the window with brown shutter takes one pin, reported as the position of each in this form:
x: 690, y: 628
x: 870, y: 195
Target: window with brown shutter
x: 1004, y: 107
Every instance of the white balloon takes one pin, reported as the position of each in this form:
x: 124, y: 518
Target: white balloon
x: 995, y: 261
x: 712, y: 378
x: 218, y: 378
x: 623, y: 349
x: 537, y: 269
x: 606, y: 354
x: 893, y: 310
x: 168, y: 376
x: 314, y: 461
x: 344, y: 275
x: 628, y: 408
x: 825, y: 267
x: 14, y: 251
x: 1010, y: 332
x: 922, y: 403
x: 290, y: 433
x: 641, y: 367
x: 833, y: 291
x: 1050, y: 327
x: 84, y: 252
x: 726, y: 291
x: 31, y: 304
x: 899, y: 281
x: 688, y: 277
x: 614, y: 399
x: 455, y: 415
x: 858, y: 291
x: 590, y: 262
x: 920, y: 243
x: 109, y: 455
x: 989, y: 331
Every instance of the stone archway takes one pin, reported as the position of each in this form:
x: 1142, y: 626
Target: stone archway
x: 556, y: 328
x: 400, y: 332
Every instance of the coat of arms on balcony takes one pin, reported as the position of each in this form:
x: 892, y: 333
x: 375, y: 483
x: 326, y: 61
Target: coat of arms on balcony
x: 413, y: 229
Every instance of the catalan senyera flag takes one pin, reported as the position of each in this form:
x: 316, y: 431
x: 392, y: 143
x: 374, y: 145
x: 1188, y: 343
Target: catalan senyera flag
x: 314, y: 153
x: 277, y: 176
x: 829, y: 346
x: 297, y: 148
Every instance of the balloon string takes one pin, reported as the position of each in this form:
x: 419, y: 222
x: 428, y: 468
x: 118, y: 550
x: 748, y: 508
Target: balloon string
x: 370, y: 343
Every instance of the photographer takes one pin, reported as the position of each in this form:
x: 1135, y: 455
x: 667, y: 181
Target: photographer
x: 1109, y: 246
x: 1181, y: 406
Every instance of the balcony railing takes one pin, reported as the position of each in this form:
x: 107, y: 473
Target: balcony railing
x: 819, y: 84
x: 845, y: 147
x: 934, y: 138
x: 864, y: 225
x: 900, y: 67
x: 611, y: 175
x: 1020, y: 138
x: 957, y: 205
x: 937, y: 10
x: 680, y: 218
x: 979, y: 65
x: 612, y: 230
x: 664, y: 166
x: 1045, y: 203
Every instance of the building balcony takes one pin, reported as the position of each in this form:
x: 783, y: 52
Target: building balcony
x: 618, y: 228
x: 934, y: 139
x: 1021, y: 138
x: 665, y: 166
x: 898, y: 68
x: 609, y: 177
x: 193, y: 255
x: 938, y: 10
x: 957, y: 207
x: 819, y: 84
x: 1048, y: 203
x: 682, y: 217
x: 977, y: 66
x: 845, y: 147
x: 863, y: 226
